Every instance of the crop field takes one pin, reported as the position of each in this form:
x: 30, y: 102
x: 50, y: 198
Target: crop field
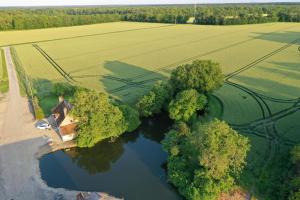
x: 261, y: 64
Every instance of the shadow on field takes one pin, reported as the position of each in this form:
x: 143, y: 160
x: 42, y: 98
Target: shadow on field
x: 282, y: 37
x: 280, y: 87
x: 121, y: 82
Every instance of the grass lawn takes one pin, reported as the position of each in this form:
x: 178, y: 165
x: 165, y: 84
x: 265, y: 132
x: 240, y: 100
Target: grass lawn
x: 260, y: 62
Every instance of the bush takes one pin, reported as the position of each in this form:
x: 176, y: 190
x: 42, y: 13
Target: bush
x: 132, y: 117
x: 155, y: 100
x: 186, y: 104
x: 202, y: 75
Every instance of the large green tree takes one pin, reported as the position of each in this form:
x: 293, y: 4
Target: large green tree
x: 205, y: 161
x: 186, y: 104
x: 202, y: 75
x: 97, y: 117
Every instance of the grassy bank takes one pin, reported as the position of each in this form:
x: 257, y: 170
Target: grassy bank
x: 4, y: 84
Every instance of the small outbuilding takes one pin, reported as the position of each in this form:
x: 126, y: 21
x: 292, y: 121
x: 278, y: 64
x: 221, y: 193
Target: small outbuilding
x: 65, y: 123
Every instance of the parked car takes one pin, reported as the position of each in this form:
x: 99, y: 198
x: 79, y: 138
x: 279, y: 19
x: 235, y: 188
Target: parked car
x: 43, y: 125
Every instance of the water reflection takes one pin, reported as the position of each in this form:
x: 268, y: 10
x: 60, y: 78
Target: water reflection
x: 132, y: 166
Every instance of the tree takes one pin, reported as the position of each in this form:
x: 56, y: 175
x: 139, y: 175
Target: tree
x: 98, y: 118
x: 202, y: 75
x: 132, y: 117
x: 63, y: 89
x: 186, y: 104
x: 155, y: 100
x: 205, y: 161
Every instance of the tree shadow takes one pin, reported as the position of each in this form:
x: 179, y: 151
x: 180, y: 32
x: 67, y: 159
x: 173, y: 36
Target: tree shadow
x: 127, y: 82
x: 281, y: 37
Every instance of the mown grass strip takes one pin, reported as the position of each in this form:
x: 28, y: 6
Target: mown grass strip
x: 4, y: 83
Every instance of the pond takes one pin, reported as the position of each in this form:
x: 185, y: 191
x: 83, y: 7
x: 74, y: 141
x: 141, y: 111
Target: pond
x: 131, y: 167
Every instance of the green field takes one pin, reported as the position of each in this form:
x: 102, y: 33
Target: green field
x: 260, y: 62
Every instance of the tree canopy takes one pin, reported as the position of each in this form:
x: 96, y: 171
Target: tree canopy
x: 32, y: 18
x: 152, y: 102
x: 132, y: 117
x: 204, y: 161
x: 202, y: 75
x: 99, y: 118
x: 186, y: 104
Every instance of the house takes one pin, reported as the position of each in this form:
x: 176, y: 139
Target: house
x: 65, y: 124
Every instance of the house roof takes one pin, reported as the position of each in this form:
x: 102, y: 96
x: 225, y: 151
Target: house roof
x: 59, y: 109
x: 68, y: 129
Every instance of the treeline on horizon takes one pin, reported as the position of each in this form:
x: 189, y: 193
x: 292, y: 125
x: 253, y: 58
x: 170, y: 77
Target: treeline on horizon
x: 33, y: 18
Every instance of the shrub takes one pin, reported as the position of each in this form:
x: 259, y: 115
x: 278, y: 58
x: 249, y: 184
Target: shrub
x: 155, y: 100
x: 186, y: 104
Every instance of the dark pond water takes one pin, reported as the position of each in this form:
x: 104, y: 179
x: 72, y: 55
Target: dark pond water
x: 132, y: 167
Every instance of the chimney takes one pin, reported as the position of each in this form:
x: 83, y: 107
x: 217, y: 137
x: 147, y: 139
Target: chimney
x: 60, y: 99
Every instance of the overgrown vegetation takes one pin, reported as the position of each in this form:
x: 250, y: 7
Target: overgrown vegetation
x: 16, y: 19
x: 4, y: 84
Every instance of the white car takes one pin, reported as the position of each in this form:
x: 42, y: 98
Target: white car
x: 42, y: 125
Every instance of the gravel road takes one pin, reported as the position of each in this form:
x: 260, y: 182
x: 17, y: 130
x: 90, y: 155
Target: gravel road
x: 19, y: 143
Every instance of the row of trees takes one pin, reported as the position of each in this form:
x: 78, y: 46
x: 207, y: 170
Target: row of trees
x: 204, y: 159
x: 14, y: 19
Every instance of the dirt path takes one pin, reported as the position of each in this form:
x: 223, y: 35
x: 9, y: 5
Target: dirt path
x: 19, y: 142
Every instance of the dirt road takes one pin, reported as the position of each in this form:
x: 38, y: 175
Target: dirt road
x: 19, y: 142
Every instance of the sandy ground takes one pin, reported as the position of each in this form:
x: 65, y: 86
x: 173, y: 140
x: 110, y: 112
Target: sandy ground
x: 19, y: 143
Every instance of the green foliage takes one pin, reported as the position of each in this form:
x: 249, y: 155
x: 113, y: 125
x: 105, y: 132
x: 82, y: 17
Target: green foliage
x: 132, y: 117
x: 63, y: 89
x: 155, y: 100
x: 294, y: 183
x: 15, y: 19
x: 204, y: 162
x: 186, y: 104
x: 98, y: 118
x: 295, y: 154
x: 4, y: 84
x: 202, y: 75
x: 38, y: 111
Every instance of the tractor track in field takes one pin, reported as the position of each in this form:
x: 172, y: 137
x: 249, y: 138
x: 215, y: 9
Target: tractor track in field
x: 267, y: 122
x: 56, y: 66
x: 172, y: 65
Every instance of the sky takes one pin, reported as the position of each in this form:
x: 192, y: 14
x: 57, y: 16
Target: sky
x: 4, y: 3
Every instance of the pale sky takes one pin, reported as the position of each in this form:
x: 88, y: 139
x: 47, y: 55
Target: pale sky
x: 4, y: 3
